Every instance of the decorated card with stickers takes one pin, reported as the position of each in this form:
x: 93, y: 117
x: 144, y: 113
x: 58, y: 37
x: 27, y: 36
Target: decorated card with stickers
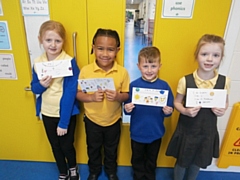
x: 149, y: 97
x: 59, y: 68
x: 92, y: 85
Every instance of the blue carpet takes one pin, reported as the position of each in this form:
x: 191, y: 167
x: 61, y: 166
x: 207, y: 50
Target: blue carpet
x: 24, y: 170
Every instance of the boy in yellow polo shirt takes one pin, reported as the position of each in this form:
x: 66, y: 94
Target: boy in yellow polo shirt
x: 103, y: 108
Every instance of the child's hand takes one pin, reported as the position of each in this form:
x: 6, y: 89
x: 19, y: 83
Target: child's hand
x: 167, y: 110
x: 111, y: 95
x: 61, y: 131
x: 192, y: 112
x: 129, y: 107
x: 219, y: 111
x: 46, y: 81
x: 98, y: 96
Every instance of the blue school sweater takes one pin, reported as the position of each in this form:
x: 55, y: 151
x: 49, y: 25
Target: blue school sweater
x: 146, y: 122
x: 69, y: 105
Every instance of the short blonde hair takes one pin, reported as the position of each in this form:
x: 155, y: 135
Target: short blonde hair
x: 149, y: 54
x: 52, y: 26
x: 209, y: 38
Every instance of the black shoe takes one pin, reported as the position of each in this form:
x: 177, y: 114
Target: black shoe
x: 74, y: 174
x: 92, y: 177
x: 112, y: 177
x: 63, y: 177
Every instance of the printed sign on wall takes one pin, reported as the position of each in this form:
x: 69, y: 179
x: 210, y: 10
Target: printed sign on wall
x: 177, y: 8
x: 5, y: 43
x: 7, y: 67
x: 35, y: 7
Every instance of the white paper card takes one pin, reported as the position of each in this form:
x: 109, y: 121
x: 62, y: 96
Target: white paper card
x: 149, y: 97
x: 59, y: 68
x: 92, y: 85
x: 206, y: 98
x: 7, y: 67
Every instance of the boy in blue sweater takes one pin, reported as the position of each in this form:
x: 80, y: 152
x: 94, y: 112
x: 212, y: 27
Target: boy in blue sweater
x: 146, y: 123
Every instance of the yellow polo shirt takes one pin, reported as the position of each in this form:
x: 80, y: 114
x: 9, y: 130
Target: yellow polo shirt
x: 203, y: 84
x: 105, y: 113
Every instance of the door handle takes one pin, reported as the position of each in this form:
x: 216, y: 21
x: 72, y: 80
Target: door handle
x: 27, y: 88
x: 74, y: 37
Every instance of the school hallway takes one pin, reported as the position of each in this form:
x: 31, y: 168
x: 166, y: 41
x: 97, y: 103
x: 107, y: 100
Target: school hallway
x: 25, y: 170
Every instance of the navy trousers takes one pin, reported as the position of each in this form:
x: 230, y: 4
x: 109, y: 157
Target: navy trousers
x: 62, y: 146
x: 100, y: 139
x: 144, y: 159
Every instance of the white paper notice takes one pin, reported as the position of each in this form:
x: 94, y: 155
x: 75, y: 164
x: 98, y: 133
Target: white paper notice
x: 35, y: 7
x: 92, y: 85
x: 206, y: 98
x: 149, y: 97
x: 59, y: 68
x: 177, y: 8
x: 7, y: 67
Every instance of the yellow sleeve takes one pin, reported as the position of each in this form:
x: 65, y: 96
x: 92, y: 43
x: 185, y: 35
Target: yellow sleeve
x: 181, y: 88
x: 227, y: 85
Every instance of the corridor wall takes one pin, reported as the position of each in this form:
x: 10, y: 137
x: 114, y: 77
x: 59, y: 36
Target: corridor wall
x: 23, y: 136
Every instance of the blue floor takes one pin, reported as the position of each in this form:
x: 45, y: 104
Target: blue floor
x: 24, y: 170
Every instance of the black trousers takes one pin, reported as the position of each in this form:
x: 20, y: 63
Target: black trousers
x: 62, y: 146
x: 144, y: 159
x: 102, y: 138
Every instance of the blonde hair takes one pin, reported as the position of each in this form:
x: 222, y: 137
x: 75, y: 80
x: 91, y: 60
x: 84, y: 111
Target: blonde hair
x: 209, y: 38
x: 149, y: 54
x: 52, y: 26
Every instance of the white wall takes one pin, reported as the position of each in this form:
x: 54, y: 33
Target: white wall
x: 151, y: 9
x: 231, y: 68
